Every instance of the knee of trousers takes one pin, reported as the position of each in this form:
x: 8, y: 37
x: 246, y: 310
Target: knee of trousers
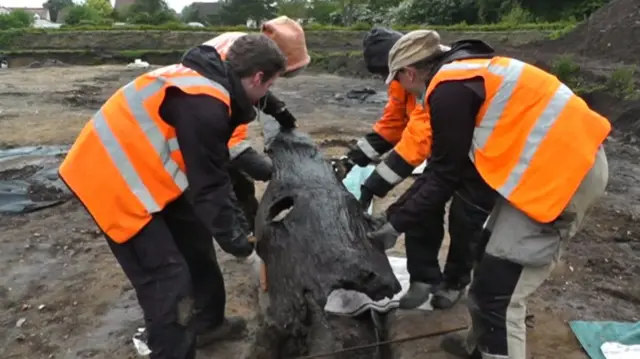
x: 484, y: 306
x: 183, y: 301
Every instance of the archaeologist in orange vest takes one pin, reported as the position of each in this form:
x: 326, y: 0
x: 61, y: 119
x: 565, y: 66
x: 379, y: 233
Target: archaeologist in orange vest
x: 404, y: 131
x: 132, y: 163
x: 532, y: 140
x: 246, y: 163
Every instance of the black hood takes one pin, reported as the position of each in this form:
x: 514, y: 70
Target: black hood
x: 207, y: 62
x: 376, y: 46
x: 461, y: 50
x: 468, y: 49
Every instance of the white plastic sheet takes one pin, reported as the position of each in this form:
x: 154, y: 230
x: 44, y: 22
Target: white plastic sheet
x: 613, y: 350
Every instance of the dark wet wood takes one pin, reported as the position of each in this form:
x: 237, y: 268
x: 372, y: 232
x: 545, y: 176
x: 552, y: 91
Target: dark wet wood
x: 311, y: 235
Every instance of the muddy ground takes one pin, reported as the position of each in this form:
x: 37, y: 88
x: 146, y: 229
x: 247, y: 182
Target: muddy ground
x: 62, y: 284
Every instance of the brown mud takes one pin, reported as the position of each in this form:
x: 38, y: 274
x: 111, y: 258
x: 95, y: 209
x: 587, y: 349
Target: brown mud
x: 62, y: 294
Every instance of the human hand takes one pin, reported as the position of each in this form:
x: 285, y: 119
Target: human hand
x: 366, y: 197
x: 384, y: 237
x: 241, y: 246
x: 286, y: 120
x: 342, y: 166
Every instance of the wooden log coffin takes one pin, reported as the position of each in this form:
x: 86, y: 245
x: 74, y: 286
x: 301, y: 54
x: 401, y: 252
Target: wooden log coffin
x: 311, y: 234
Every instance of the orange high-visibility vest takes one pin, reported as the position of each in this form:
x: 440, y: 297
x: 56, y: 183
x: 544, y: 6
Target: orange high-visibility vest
x: 405, y: 125
x: 239, y: 139
x: 534, y: 140
x: 223, y: 42
x: 126, y: 163
x: 396, y: 116
x: 396, y: 113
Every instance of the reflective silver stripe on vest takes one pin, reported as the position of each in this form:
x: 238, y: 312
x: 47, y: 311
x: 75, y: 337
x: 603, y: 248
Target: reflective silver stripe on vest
x: 510, y: 76
x: 543, y: 125
x: 239, y: 147
x: 135, y: 99
x: 122, y: 163
x: 367, y: 149
x: 464, y: 66
x: 388, y: 174
x: 173, y: 144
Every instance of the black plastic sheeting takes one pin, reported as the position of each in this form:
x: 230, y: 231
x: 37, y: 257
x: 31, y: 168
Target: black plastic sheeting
x: 29, y: 179
x: 362, y: 95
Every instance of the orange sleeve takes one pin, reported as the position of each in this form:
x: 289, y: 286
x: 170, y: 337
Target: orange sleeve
x: 394, y: 117
x: 412, y: 149
x: 415, y: 144
x: 238, y: 142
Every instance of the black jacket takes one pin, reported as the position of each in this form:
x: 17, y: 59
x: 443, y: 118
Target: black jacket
x: 454, y: 106
x: 203, y: 128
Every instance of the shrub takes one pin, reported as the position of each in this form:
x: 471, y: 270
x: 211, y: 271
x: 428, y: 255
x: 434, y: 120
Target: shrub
x: 517, y: 15
x: 622, y: 83
x: 567, y: 70
x: 15, y: 20
x: 82, y: 15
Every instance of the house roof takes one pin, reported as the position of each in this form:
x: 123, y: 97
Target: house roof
x: 41, y: 12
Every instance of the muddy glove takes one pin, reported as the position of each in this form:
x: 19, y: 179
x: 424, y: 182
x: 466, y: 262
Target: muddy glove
x: 384, y: 237
x: 342, y: 166
x: 358, y: 157
x: 286, y: 119
x: 254, y: 164
x: 239, y: 245
x: 236, y: 239
x: 273, y: 106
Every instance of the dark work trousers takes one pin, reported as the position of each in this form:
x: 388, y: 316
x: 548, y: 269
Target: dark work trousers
x: 423, y: 244
x: 245, y: 193
x: 172, y: 265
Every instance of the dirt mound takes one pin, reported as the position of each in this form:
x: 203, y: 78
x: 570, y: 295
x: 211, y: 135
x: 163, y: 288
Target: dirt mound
x: 610, y: 33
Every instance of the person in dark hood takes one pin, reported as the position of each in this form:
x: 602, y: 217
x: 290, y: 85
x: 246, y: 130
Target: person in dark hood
x: 131, y: 165
x: 247, y: 164
x: 529, y: 138
x: 404, y: 134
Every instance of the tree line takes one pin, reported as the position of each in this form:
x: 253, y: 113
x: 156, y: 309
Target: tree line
x: 325, y: 12
x: 401, y: 12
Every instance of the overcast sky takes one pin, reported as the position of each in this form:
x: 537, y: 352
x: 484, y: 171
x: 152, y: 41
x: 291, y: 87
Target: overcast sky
x: 176, y: 4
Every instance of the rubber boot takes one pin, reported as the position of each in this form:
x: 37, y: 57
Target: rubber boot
x: 455, y: 344
x: 417, y: 295
x: 232, y: 328
x: 446, y: 296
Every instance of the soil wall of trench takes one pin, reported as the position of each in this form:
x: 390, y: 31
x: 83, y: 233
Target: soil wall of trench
x: 338, y: 52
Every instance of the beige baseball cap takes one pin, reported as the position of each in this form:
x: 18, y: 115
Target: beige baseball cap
x: 412, y: 47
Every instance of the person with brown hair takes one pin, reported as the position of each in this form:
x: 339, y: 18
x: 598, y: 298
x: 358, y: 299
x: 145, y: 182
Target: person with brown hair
x: 159, y: 135
x: 247, y: 164
x: 532, y: 140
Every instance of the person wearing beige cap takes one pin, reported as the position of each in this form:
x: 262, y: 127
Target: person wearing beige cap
x: 532, y: 140
x: 403, y: 136
x: 247, y: 164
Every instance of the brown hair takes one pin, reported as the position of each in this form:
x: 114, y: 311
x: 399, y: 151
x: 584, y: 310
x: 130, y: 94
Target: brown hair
x: 254, y: 53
